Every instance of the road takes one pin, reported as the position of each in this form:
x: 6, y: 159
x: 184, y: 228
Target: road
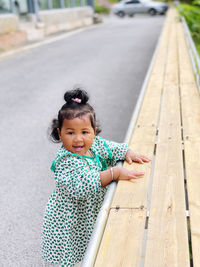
x: 110, y: 60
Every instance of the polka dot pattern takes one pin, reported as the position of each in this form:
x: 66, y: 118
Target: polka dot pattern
x: 73, y: 207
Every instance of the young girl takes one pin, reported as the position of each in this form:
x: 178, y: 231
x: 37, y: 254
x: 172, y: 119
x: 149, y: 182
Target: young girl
x: 83, y: 169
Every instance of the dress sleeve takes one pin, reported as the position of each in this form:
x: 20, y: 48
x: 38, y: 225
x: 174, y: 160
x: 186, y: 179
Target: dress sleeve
x: 80, y: 181
x: 112, y: 150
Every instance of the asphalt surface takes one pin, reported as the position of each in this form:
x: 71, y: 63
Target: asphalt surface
x: 110, y: 61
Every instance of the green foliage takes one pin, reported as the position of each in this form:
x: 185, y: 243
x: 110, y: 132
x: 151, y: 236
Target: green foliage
x: 113, y: 1
x: 196, y: 2
x: 102, y: 9
x: 191, y: 14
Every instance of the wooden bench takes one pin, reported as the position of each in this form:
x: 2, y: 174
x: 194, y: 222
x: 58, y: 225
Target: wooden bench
x: 148, y: 224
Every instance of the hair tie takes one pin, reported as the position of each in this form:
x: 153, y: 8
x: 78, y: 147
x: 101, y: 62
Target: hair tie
x: 77, y: 100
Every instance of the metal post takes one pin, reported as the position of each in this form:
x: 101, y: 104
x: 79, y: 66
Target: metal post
x: 50, y: 4
x: 62, y: 3
x: 12, y: 7
x: 72, y: 3
x: 91, y: 3
x: 36, y: 8
x: 31, y: 6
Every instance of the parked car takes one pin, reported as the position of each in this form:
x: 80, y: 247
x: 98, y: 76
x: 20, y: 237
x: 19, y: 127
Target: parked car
x: 131, y: 7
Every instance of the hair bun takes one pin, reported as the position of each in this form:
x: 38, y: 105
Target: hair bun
x: 76, y: 93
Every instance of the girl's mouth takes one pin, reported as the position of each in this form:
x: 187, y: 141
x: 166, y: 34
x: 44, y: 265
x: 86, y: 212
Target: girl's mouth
x: 77, y: 148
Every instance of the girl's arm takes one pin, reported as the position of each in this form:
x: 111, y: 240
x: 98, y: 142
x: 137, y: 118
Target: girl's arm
x: 119, y: 173
x: 112, y: 151
x: 118, y: 151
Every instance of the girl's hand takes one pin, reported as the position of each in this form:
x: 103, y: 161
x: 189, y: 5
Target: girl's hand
x: 118, y: 173
x: 131, y: 156
x: 125, y: 174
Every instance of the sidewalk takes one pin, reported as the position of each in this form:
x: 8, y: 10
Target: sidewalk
x: 12, y: 40
x: 30, y: 32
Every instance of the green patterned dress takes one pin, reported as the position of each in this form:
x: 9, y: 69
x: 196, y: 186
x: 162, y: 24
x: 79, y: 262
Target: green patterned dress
x: 73, y: 207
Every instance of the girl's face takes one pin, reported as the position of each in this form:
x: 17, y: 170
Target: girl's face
x: 77, y: 135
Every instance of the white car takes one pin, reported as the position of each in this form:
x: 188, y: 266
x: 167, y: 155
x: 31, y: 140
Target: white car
x: 131, y: 7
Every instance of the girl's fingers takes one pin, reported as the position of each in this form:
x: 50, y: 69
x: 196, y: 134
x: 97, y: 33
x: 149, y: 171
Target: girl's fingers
x: 145, y: 159
x: 138, y: 173
x: 131, y: 156
x: 139, y: 160
x: 135, y: 177
x: 129, y: 160
x: 142, y: 159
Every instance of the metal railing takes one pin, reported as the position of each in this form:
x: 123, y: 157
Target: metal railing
x: 34, y: 6
x: 193, y: 52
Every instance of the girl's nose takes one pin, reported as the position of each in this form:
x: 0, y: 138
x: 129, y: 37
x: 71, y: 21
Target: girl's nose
x: 78, y: 137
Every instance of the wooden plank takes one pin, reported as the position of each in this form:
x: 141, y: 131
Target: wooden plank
x: 190, y: 100
x: 170, y: 123
x: 122, y: 240
x: 191, y: 132
x: 133, y: 194
x: 167, y: 241
x: 142, y: 142
x: 192, y: 155
x: 185, y: 66
x: 171, y: 72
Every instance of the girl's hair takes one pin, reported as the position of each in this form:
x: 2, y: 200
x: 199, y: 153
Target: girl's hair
x: 76, y: 106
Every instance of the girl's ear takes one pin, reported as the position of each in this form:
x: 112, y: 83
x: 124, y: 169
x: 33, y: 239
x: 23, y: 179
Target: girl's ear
x: 59, y: 133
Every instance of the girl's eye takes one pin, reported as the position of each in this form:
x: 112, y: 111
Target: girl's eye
x: 84, y: 132
x: 70, y: 133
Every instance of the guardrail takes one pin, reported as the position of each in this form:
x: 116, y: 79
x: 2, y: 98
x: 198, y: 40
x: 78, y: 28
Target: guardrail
x: 193, y: 52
